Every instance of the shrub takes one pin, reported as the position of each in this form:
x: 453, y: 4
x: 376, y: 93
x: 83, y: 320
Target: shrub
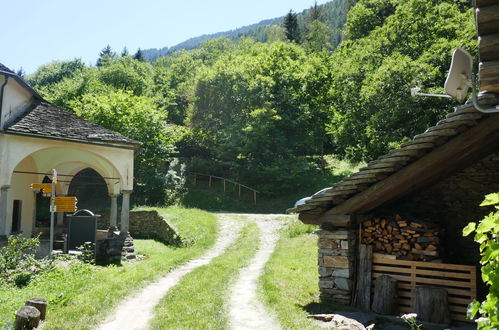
x: 487, y: 235
x: 22, y: 279
x: 87, y: 252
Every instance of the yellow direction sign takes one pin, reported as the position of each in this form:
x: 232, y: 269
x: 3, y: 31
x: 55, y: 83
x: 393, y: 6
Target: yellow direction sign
x: 65, y: 203
x: 46, y: 188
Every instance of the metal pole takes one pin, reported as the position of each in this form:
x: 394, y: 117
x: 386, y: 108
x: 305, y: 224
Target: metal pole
x: 224, y: 186
x: 52, y: 210
x: 254, y: 196
x: 239, y: 191
x: 209, y: 182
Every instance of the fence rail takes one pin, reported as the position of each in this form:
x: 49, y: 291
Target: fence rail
x: 225, y: 180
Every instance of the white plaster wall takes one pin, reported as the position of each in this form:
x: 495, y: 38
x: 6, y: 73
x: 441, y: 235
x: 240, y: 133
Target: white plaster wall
x: 15, y: 99
x: 29, y: 154
x: 20, y: 189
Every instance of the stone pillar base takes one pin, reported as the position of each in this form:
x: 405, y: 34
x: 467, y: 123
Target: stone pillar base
x: 336, y: 261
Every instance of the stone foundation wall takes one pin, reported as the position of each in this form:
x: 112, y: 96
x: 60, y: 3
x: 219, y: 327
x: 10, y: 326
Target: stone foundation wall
x: 336, y: 262
x: 149, y: 224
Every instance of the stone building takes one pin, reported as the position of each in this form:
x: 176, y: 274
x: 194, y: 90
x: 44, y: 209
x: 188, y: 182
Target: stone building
x: 439, y: 177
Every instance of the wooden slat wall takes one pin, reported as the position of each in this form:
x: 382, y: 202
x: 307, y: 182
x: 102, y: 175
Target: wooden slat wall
x: 487, y: 21
x: 458, y: 280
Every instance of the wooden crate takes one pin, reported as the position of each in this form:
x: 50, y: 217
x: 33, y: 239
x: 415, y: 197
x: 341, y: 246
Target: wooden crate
x: 458, y: 280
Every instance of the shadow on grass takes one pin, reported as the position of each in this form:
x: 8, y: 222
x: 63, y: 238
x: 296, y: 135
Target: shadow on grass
x: 213, y: 198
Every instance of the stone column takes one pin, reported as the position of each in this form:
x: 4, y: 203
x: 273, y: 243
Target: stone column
x: 3, y: 209
x: 125, y: 211
x: 336, y: 262
x: 113, y: 217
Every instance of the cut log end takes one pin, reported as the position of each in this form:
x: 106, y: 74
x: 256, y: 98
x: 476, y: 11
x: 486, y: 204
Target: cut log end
x: 27, y: 317
x: 40, y: 304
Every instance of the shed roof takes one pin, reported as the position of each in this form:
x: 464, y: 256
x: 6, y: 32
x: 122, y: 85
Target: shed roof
x: 462, y: 135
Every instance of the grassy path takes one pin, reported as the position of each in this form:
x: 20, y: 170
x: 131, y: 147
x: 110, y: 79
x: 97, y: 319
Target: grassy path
x: 245, y: 309
x: 136, y: 311
x: 200, y: 299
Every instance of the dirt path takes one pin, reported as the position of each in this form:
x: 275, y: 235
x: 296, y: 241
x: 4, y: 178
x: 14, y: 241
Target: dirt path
x: 136, y: 312
x: 246, y: 311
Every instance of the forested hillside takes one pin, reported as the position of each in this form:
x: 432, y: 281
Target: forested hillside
x: 334, y: 15
x: 264, y: 113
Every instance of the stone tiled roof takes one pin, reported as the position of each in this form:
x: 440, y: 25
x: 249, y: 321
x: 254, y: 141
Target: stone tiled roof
x: 463, y: 118
x: 47, y: 120
x: 6, y: 69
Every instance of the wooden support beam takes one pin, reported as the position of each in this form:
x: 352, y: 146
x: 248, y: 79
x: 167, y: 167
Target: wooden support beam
x: 332, y: 221
x: 475, y: 142
x: 489, y: 76
x: 488, y: 46
x: 484, y: 3
x: 487, y: 19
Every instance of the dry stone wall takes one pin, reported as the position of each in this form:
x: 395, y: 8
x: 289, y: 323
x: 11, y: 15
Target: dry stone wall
x: 336, y: 262
x: 149, y: 224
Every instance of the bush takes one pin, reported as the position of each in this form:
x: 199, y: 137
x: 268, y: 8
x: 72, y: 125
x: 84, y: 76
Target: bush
x: 487, y: 235
x: 87, y: 253
x: 18, y: 264
x: 22, y: 279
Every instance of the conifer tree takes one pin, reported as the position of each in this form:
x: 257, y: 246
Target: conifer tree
x: 139, y: 56
x: 106, y: 56
x: 124, y: 52
x: 291, y: 26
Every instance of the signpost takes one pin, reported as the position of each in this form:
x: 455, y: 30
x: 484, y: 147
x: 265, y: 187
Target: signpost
x: 52, y: 210
x: 57, y: 204
x: 65, y: 204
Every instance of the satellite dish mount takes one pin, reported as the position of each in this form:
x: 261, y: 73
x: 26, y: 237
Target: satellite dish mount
x: 459, y: 80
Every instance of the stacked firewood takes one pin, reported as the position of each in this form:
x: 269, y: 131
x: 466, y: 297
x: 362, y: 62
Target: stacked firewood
x: 408, y: 240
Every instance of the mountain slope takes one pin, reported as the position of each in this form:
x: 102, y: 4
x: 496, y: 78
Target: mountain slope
x: 335, y: 13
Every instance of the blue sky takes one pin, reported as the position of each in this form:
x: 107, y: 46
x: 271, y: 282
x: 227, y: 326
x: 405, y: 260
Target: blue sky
x: 36, y: 32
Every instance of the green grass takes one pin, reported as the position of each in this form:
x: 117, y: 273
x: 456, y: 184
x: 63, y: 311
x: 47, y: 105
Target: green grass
x: 289, y: 284
x: 199, y: 300
x: 81, y: 296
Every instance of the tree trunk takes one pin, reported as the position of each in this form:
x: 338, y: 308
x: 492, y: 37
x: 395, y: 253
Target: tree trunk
x: 40, y: 304
x: 431, y: 304
x: 385, y: 296
x: 27, y: 317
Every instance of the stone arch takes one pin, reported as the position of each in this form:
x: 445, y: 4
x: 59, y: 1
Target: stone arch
x: 68, y: 161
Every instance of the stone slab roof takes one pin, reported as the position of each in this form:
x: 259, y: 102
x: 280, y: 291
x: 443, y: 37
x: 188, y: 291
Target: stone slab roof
x: 47, y: 120
x: 455, y: 123
x: 5, y: 69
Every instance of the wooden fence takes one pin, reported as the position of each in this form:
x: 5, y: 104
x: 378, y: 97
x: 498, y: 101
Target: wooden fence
x: 458, y: 280
x: 237, y: 185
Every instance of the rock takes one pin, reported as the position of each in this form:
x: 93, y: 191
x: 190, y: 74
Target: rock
x: 342, y: 283
x: 336, y: 261
x: 345, y: 272
x: 336, y: 321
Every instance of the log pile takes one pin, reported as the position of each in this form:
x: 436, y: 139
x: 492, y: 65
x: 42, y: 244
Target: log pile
x: 408, y: 240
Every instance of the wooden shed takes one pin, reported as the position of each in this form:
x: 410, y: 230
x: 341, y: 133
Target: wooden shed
x: 409, y: 206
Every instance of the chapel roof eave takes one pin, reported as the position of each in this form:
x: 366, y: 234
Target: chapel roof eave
x: 45, y: 120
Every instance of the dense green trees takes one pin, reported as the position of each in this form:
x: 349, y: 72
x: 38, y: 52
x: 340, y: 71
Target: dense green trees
x: 265, y: 113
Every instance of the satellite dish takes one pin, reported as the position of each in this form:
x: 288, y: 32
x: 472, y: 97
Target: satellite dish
x: 458, y: 81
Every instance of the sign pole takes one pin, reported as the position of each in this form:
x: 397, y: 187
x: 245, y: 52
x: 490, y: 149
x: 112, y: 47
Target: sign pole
x: 52, y: 210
